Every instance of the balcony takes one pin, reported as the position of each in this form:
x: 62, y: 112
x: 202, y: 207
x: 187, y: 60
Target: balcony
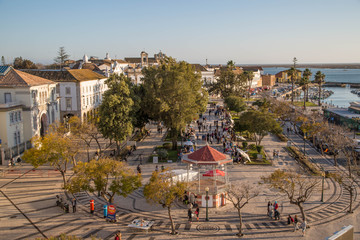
x: 10, y: 104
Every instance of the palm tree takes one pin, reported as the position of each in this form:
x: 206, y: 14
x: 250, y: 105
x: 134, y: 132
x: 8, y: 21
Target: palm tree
x: 305, y: 80
x: 292, y: 73
x: 319, y: 79
x: 249, y: 76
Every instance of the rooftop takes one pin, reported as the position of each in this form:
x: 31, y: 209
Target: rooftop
x: 16, y: 78
x: 72, y: 75
x: 343, y: 112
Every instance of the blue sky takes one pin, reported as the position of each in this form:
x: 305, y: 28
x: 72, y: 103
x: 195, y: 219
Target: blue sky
x: 246, y: 31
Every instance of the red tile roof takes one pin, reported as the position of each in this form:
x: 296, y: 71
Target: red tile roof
x: 16, y: 78
x: 207, y: 154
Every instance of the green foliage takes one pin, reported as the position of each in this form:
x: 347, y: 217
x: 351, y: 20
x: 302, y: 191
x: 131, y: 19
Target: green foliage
x: 62, y: 56
x: 244, y: 144
x: 162, y: 153
x: 167, y: 145
x: 20, y: 63
x: 139, y: 116
x: 174, y: 95
x: 252, y: 146
x: 54, y: 149
x: 282, y: 137
x: 115, y: 120
x: 108, y: 176
x: 258, y: 123
x: 235, y: 103
x: 161, y: 190
x: 263, y: 103
x: 259, y: 148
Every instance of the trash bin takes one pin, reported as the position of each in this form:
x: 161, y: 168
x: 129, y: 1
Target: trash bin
x: 105, y: 210
x: 66, y: 207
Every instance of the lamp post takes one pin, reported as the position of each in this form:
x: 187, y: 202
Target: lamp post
x: 207, y: 206
x: 322, y: 186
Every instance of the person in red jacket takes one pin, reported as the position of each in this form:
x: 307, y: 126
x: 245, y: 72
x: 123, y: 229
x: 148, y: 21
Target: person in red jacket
x: 92, y: 206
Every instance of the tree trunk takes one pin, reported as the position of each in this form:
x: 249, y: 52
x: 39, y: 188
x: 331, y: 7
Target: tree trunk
x: 292, y: 90
x: 319, y: 101
x: 64, y: 178
x: 302, y: 211
x: 99, y: 145
x: 174, y: 136
x: 118, y: 148
x: 335, y: 161
x: 88, y: 154
x: 307, y: 93
x: 240, y: 234
x: 171, y: 221
x: 304, y: 99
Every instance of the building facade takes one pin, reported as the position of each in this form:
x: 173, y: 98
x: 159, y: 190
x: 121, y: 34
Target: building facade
x: 28, y: 105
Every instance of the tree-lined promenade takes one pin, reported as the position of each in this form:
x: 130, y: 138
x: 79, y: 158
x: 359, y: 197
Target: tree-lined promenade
x: 173, y: 94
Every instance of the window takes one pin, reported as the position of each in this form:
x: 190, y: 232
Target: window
x: 19, y: 115
x: 15, y: 138
x: 7, y: 97
x: 16, y: 117
x: 18, y: 137
x: 52, y: 115
x: 53, y: 94
x: 11, y: 117
x: 97, y: 98
x: 87, y: 101
x: 67, y: 90
x: 35, y: 122
x: 68, y: 103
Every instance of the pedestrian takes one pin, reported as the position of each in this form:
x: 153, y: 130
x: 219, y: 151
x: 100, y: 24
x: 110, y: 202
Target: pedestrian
x: 290, y: 220
x: 276, y: 206
x: 118, y: 236
x: 197, y: 211
x: 138, y: 169
x: 74, y: 204
x: 156, y: 168
x: 162, y: 168
x: 190, y: 215
x: 276, y: 215
x: 268, y: 208
x: 271, y: 209
x: 92, y: 206
x: 296, y: 222
x: 303, y: 227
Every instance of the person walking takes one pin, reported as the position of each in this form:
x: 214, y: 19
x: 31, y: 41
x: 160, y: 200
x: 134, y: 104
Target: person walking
x: 156, y: 168
x: 190, y: 215
x: 271, y: 210
x: 197, y: 211
x: 290, y: 220
x: 118, y: 236
x: 92, y: 206
x: 268, y: 208
x: 276, y: 215
x: 296, y: 221
x: 303, y: 227
x: 138, y: 169
x: 74, y: 205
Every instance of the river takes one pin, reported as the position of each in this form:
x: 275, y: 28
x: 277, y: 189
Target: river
x: 342, y: 96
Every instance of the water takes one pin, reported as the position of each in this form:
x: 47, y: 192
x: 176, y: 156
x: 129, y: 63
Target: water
x: 331, y: 75
x: 342, y: 96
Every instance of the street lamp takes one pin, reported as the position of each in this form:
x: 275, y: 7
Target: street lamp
x: 207, y: 206
x: 322, y: 186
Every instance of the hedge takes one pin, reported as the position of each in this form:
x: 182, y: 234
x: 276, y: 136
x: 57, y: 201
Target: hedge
x: 303, y: 160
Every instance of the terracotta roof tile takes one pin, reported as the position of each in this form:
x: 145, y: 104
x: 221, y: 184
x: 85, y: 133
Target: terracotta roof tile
x: 207, y: 154
x: 72, y: 75
x: 17, y: 78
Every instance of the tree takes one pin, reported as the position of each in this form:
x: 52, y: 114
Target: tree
x: 281, y: 109
x: 249, y: 77
x: 259, y: 123
x: 138, y: 113
x: 115, y: 120
x: 296, y: 187
x: 161, y: 189
x: 240, y: 195
x: 319, y: 80
x: 106, y: 176
x: 3, y: 62
x: 263, y: 104
x: 235, y: 103
x: 174, y: 95
x: 54, y: 149
x: 20, y: 63
x: 304, y: 82
x: 62, y: 57
x: 292, y: 72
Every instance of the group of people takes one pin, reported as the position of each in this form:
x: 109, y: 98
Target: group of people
x: 192, y: 214
x: 276, y: 154
x: 273, y: 210
x: 295, y: 222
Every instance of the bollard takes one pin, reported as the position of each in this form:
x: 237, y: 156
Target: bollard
x: 92, y: 206
x: 105, y: 211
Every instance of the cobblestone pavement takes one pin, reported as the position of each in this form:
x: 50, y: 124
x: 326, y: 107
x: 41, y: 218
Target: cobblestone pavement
x: 28, y: 209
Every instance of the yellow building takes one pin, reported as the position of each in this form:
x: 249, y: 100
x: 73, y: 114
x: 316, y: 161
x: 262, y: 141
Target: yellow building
x: 283, y: 77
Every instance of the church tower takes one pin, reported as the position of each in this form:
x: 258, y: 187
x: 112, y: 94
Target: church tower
x: 144, y: 59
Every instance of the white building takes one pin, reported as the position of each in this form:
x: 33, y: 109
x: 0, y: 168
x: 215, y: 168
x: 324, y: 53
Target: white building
x: 28, y: 104
x: 80, y: 90
x: 207, y: 75
x: 257, y: 70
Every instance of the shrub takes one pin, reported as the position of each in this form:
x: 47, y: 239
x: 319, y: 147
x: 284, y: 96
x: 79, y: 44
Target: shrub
x: 282, y: 137
x: 162, y: 153
x: 252, y: 146
x: 167, y: 145
x: 259, y: 148
x: 304, y: 160
x: 244, y: 144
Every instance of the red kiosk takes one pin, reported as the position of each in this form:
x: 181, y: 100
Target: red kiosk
x: 212, y: 176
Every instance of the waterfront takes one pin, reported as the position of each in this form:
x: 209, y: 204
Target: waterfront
x: 342, y: 96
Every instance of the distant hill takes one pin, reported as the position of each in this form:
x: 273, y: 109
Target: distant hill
x: 316, y: 65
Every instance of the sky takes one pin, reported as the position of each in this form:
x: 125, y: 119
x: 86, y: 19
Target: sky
x: 245, y: 31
